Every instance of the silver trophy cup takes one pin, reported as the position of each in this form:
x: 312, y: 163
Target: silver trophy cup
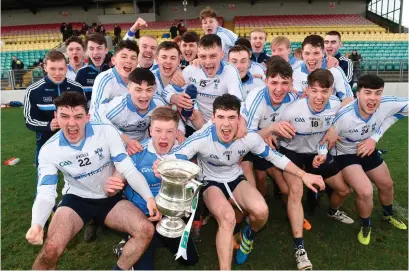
x: 176, y: 194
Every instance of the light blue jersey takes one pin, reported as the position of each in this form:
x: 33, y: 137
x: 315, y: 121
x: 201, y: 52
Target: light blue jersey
x: 353, y: 129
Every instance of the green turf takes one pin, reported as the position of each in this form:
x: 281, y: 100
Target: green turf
x: 330, y: 244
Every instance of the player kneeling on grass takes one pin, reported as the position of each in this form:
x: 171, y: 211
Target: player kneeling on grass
x: 311, y: 117
x: 131, y: 113
x: 163, y: 132
x: 223, y: 182
x: 360, y: 125
x: 86, y: 153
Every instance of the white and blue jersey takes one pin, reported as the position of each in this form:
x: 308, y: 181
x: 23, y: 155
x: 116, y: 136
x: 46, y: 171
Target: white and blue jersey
x: 220, y: 162
x: 260, y: 112
x: 165, y: 92
x: 294, y: 62
x: 341, y: 87
x: 143, y: 162
x: 130, y: 36
x: 251, y: 84
x: 107, y: 86
x: 85, y: 167
x: 123, y: 114
x: 257, y: 68
x: 353, y: 129
x: 228, y: 40
x: 226, y: 80
x: 71, y: 73
x: 309, y: 126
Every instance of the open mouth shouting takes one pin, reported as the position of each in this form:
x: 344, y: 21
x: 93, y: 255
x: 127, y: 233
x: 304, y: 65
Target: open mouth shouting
x: 163, y: 146
x: 226, y: 134
x: 127, y: 69
x: 143, y: 103
x: 371, y: 105
x: 209, y: 30
x: 76, y: 59
x: 148, y: 56
x: 97, y: 59
x: 73, y: 133
x: 210, y: 69
x: 312, y: 65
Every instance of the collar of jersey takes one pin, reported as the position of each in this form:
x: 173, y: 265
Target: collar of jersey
x: 88, y: 133
x: 268, y: 99
x: 327, y: 106
x: 292, y: 60
x: 95, y: 68
x: 48, y: 80
x: 250, y: 80
x: 305, y: 70
x: 132, y: 107
x: 356, y: 109
x: 118, y: 77
x: 72, y: 69
x: 219, y: 71
x: 216, y: 138
x: 157, y: 74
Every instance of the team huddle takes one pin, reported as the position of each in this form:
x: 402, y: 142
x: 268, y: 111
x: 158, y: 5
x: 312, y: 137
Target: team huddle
x: 219, y: 101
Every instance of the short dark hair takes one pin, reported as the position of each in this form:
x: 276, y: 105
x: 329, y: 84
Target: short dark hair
x: 243, y: 42
x: 370, y: 81
x: 334, y: 33
x: 168, y: 45
x: 322, y: 77
x: 190, y: 36
x: 54, y: 55
x: 75, y: 39
x: 277, y: 65
x: 239, y: 48
x: 71, y: 99
x: 210, y: 40
x: 140, y: 75
x: 207, y: 13
x: 97, y: 38
x: 164, y: 113
x: 227, y: 102
x: 314, y: 40
x: 127, y: 44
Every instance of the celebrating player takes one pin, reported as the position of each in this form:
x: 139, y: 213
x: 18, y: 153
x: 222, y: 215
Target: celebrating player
x: 258, y: 39
x: 75, y: 51
x: 86, y: 153
x: 188, y: 46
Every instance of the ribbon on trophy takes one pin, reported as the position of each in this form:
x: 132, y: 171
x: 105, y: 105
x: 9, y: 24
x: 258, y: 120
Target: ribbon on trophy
x: 182, y: 251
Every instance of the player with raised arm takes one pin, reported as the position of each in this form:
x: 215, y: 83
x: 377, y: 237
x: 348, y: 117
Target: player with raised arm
x: 210, y: 25
x: 313, y: 58
x: 86, y: 153
x: 360, y: 125
x: 113, y: 82
x: 224, y: 185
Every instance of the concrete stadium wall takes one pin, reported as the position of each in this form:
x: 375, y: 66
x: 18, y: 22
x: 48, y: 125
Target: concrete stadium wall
x: 398, y: 89
x: 242, y: 8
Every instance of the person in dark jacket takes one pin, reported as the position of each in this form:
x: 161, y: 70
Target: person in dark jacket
x: 356, y: 60
x: 38, y: 102
x: 332, y: 44
x: 18, y: 66
x: 173, y: 31
x: 84, y: 28
x: 117, y: 33
x: 258, y: 40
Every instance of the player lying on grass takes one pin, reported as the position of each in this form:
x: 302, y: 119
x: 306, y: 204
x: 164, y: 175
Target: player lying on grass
x: 86, y: 153
x: 224, y: 185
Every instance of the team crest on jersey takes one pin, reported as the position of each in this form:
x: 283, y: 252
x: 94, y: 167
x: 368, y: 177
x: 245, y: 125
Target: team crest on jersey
x: 65, y: 163
x: 241, y: 152
x: 328, y: 120
x: 99, y: 152
x: 48, y: 99
x: 216, y: 83
x: 373, y: 127
x: 304, y: 83
x: 214, y: 156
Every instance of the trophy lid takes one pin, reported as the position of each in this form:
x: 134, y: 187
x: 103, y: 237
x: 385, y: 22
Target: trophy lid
x: 178, y: 170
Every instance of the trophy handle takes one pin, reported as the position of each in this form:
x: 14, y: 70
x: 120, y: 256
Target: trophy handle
x: 195, y: 185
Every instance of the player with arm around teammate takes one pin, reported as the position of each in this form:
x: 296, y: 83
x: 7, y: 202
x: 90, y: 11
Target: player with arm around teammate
x: 86, y: 153
x: 224, y: 183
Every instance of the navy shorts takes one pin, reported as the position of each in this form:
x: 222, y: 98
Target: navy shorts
x: 90, y: 209
x: 232, y: 185
x: 258, y: 162
x: 304, y: 160
x: 368, y: 162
